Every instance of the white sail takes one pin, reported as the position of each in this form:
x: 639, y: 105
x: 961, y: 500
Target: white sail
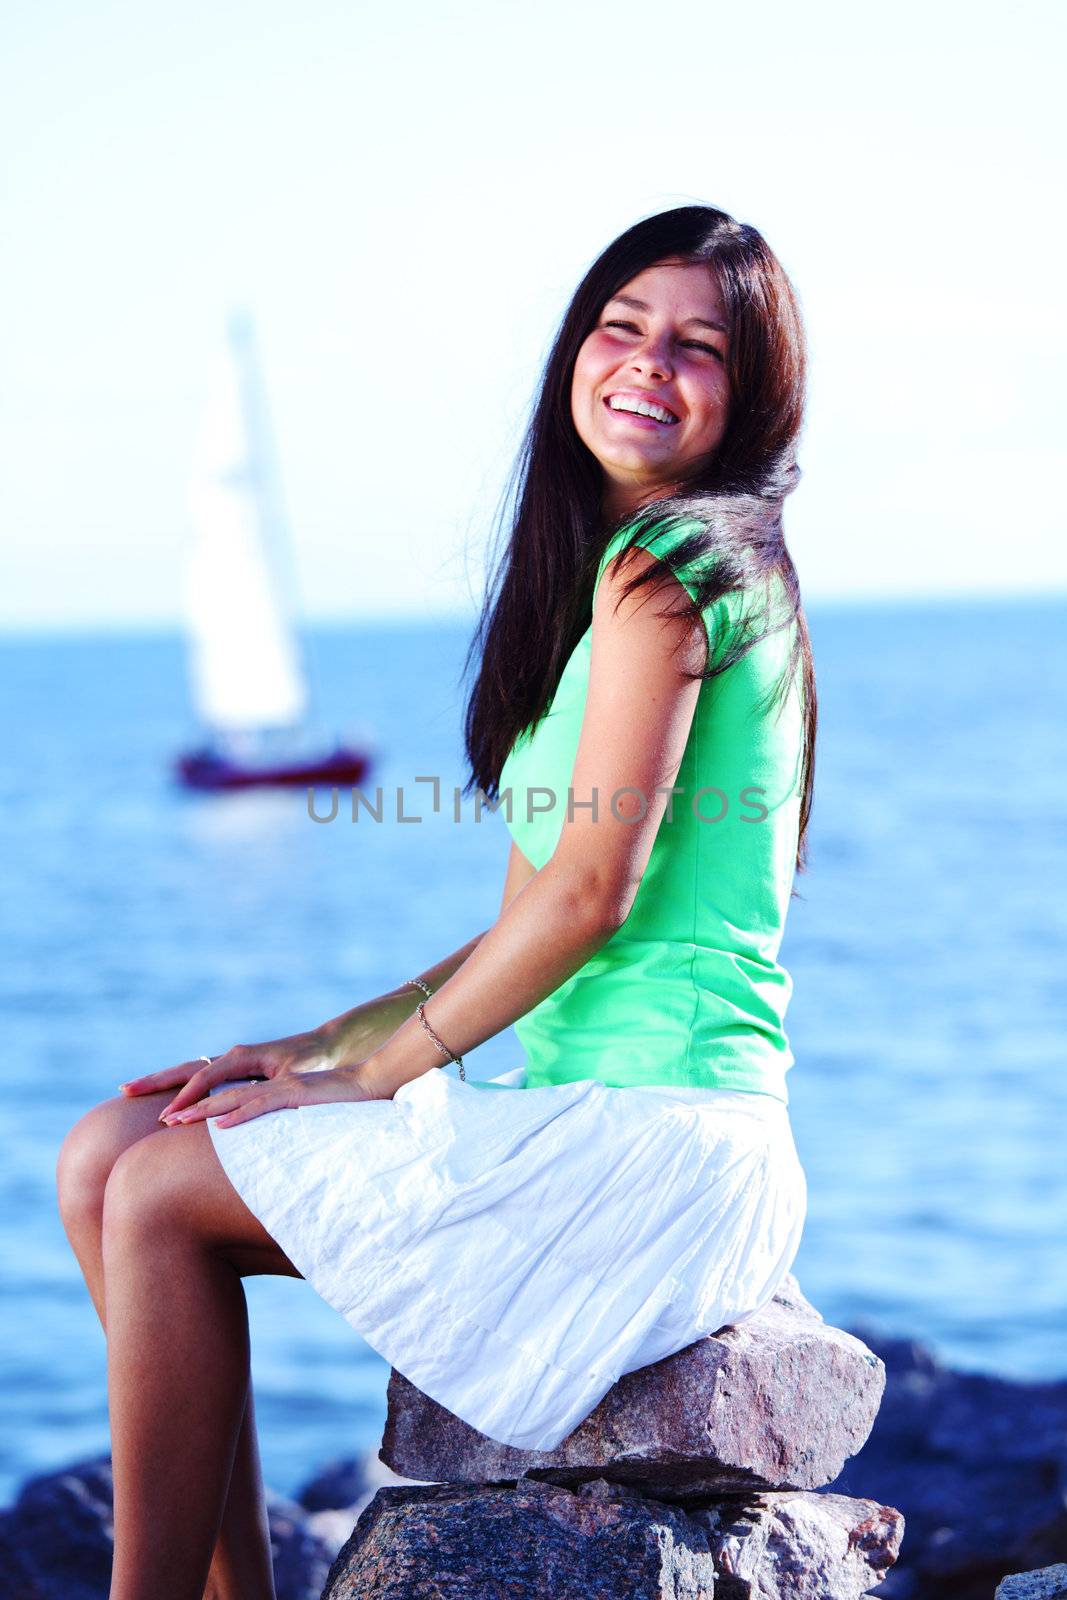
x: 245, y: 666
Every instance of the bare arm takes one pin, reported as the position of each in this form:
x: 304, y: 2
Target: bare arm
x: 639, y: 710
x: 358, y: 1033
x: 519, y: 873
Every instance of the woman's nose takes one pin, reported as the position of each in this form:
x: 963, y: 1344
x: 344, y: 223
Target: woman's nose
x: 652, y: 356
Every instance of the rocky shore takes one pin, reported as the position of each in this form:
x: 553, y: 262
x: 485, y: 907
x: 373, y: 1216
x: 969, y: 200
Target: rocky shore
x: 783, y: 1457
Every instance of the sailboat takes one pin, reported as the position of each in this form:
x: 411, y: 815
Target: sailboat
x: 247, y: 671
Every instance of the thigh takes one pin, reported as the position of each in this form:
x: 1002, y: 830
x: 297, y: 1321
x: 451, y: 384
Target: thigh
x: 173, y: 1179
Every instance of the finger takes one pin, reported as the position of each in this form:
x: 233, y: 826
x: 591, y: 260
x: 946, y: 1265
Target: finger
x: 153, y: 1081
x: 251, y: 1108
x: 213, y: 1105
x: 233, y: 1063
x: 248, y: 1100
x: 224, y: 1116
x: 197, y: 1086
x: 193, y: 1090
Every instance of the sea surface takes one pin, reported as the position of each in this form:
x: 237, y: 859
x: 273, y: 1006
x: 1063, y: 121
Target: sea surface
x: 142, y: 925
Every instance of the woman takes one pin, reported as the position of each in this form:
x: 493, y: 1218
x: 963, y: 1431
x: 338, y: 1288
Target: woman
x: 644, y: 714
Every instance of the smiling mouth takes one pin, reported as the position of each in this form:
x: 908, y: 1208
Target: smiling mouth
x: 644, y: 410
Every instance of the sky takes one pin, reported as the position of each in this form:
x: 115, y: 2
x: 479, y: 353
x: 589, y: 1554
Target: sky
x: 405, y: 197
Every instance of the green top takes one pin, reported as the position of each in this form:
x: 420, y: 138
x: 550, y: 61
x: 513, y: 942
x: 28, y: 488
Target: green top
x: 689, y: 990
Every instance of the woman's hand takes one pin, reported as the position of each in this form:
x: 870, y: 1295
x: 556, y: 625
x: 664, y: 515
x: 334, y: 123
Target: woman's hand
x: 279, y: 1058
x: 247, y: 1100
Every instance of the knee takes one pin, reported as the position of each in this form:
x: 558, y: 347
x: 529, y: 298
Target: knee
x: 86, y: 1158
x: 138, y: 1195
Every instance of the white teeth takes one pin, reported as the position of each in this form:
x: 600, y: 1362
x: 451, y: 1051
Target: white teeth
x: 642, y: 408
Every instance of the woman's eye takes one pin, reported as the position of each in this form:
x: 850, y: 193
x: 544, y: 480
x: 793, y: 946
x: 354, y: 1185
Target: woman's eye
x: 692, y: 344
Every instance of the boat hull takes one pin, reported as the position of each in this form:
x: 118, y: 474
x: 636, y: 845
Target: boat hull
x: 202, y: 770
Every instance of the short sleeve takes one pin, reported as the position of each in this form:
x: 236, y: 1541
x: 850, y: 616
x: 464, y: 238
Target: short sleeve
x: 663, y: 540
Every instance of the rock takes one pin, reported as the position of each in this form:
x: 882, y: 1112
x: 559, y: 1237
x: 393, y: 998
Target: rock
x: 61, y: 1527
x: 331, y: 1528
x: 976, y: 1463
x: 805, y: 1546
x: 337, y: 1495
x: 538, y: 1538
x: 1045, y: 1583
x: 17, y: 1580
x: 340, y: 1483
x: 349, y: 1481
x: 56, y: 1541
x: 300, y: 1558
x: 602, y: 1541
x: 777, y: 1402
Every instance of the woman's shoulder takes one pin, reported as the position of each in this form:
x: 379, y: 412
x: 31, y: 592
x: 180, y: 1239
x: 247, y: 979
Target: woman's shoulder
x: 680, y: 544
x: 686, y: 547
x: 738, y: 615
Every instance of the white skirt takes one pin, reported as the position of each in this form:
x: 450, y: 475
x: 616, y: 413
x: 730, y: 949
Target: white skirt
x: 512, y: 1251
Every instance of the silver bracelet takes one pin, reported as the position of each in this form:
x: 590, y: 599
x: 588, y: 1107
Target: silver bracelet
x: 421, y: 1013
x: 427, y: 991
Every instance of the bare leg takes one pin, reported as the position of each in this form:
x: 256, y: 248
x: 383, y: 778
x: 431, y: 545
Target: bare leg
x: 177, y: 1240
x: 241, y: 1562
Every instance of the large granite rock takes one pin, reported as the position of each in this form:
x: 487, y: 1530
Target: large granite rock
x: 601, y: 1541
x: 779, y: 1402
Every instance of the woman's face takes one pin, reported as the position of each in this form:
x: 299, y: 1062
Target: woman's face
x: 659, y: 345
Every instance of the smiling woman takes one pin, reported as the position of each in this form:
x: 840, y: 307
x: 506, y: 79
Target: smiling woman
x: 632, y: 1185
x: 689, y: 311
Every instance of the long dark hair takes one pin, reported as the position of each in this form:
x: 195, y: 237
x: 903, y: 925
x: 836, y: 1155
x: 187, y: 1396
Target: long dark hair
x: 538, y: 603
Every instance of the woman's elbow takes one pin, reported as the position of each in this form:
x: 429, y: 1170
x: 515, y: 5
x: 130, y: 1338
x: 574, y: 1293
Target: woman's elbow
x: 592, y: 900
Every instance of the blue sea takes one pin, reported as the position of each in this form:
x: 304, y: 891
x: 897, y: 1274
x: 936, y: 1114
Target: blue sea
x: 142, y: 925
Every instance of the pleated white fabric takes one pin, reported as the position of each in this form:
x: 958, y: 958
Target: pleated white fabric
x: 514, y: 1251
